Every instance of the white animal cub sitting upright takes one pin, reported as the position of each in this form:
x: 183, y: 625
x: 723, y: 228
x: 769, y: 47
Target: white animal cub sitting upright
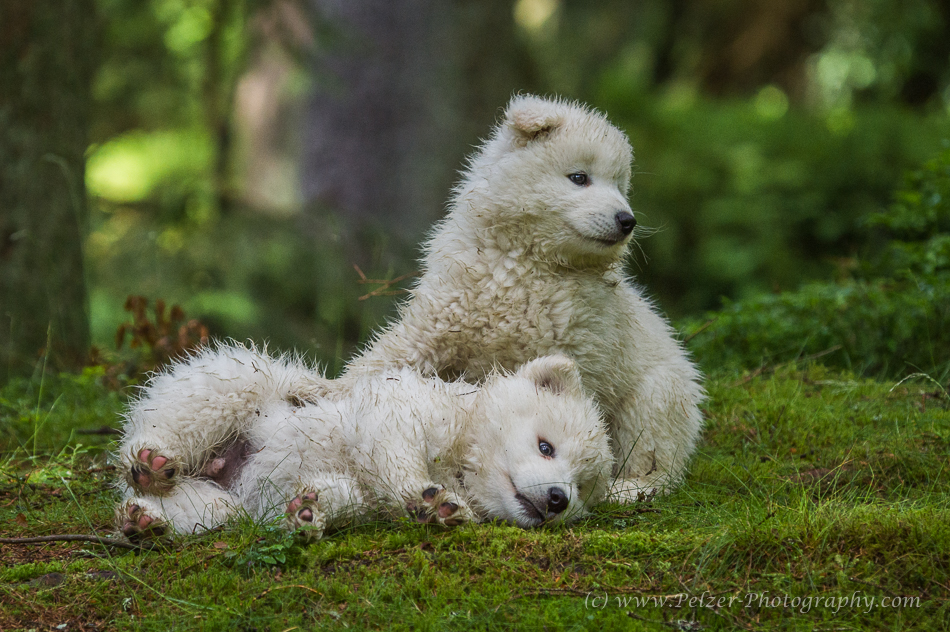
x: 223, y: 432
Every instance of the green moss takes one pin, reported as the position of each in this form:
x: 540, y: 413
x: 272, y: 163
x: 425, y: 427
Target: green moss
x: 810, y: 483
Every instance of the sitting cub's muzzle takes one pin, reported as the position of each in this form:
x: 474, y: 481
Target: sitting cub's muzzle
x: 626, y: 222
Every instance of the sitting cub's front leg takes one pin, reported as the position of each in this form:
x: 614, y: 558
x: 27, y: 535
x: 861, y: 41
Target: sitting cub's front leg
x: 438, y: 505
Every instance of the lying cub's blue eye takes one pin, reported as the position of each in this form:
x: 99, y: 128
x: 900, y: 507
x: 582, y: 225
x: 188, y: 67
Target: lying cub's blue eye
x: 546, y: 448
x: 580, y: 178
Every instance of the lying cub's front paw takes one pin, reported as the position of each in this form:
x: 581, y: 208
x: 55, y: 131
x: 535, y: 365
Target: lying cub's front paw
x: 437, y: 505
x: 152, y: 472
x: 137, y: 523
x: 305, y: 515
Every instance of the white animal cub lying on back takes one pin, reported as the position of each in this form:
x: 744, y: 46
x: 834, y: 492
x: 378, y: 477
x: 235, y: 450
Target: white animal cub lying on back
x: 223, y: 432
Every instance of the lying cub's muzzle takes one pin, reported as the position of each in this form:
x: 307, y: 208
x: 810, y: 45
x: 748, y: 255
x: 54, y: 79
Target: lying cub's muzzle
x: 557, y: 500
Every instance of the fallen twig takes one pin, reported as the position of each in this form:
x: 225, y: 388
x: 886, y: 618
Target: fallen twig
x: 73, y: 537
x: 317, y: 592
x: 101, y: 430
x: 385, y: 284
x: 872, y: 585
x: 703, y: 328
x: 543, y: 592
x: 680, y: 624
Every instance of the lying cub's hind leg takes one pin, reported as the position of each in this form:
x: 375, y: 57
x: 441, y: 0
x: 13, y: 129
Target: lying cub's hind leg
x: 150, y: 472
x: 140, y: 519
x: 438, y: 505
x: 193, y: 506
x: 304, y: 513
x: 182, y: 427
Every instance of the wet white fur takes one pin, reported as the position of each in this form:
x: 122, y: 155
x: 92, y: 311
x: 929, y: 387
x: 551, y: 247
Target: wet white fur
x: 391, y: 437
x: 523, y: 267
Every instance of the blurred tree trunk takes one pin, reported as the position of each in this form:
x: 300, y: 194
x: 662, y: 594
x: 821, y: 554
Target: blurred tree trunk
x: 47, y: 52
x: 489, y: 64
x: 404, y: 90
x: 218, y: 92
x: 371, y: 148
x: 751, y: 43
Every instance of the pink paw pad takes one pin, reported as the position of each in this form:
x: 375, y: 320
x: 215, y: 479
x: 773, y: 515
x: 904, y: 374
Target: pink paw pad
x: 138, y: 524
x: 439, y: 506
x: 300, y: 506
x: 151, y: 472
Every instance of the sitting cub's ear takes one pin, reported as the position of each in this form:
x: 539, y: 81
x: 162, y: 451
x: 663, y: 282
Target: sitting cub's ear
x: 531, y: 117
x: 555, y: 373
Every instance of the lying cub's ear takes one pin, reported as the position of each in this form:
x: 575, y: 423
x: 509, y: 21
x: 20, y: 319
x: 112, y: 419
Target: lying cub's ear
x: 555, y: 373
x: 531, y: 117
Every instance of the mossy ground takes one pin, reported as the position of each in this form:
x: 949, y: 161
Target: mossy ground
x: 813, y: 493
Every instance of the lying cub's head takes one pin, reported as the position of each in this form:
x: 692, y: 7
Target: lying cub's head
x: 540, y: 452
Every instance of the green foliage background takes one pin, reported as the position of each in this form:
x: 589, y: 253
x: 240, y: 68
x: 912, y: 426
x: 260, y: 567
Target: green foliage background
x: 890, y: 316
x: 748, y: 196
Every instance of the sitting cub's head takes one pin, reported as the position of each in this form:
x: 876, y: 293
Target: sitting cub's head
x: 540, y: 452
x: 553, y: 178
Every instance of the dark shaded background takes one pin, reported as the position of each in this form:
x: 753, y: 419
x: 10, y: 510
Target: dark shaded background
x: 240, y: 157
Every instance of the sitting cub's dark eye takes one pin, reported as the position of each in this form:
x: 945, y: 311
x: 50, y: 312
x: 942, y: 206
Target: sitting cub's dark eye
x: 546, y: 448
x: 580, y: 178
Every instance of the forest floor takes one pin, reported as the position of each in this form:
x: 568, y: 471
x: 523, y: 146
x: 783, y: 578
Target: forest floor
x: 817, y: 501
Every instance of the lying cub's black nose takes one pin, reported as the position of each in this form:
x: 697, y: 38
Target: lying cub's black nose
x: 557, y: 500
x: 625, y: 222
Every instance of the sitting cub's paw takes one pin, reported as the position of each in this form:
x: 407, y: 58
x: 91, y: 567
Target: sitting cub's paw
x: 305, y: 516
x: 152, y: 472
x: 137, y: 522
x: 437, y: 505
x: 632, y: 490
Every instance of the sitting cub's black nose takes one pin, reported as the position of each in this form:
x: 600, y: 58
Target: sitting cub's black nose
x: 557, y: 500
x: 625, y: 222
